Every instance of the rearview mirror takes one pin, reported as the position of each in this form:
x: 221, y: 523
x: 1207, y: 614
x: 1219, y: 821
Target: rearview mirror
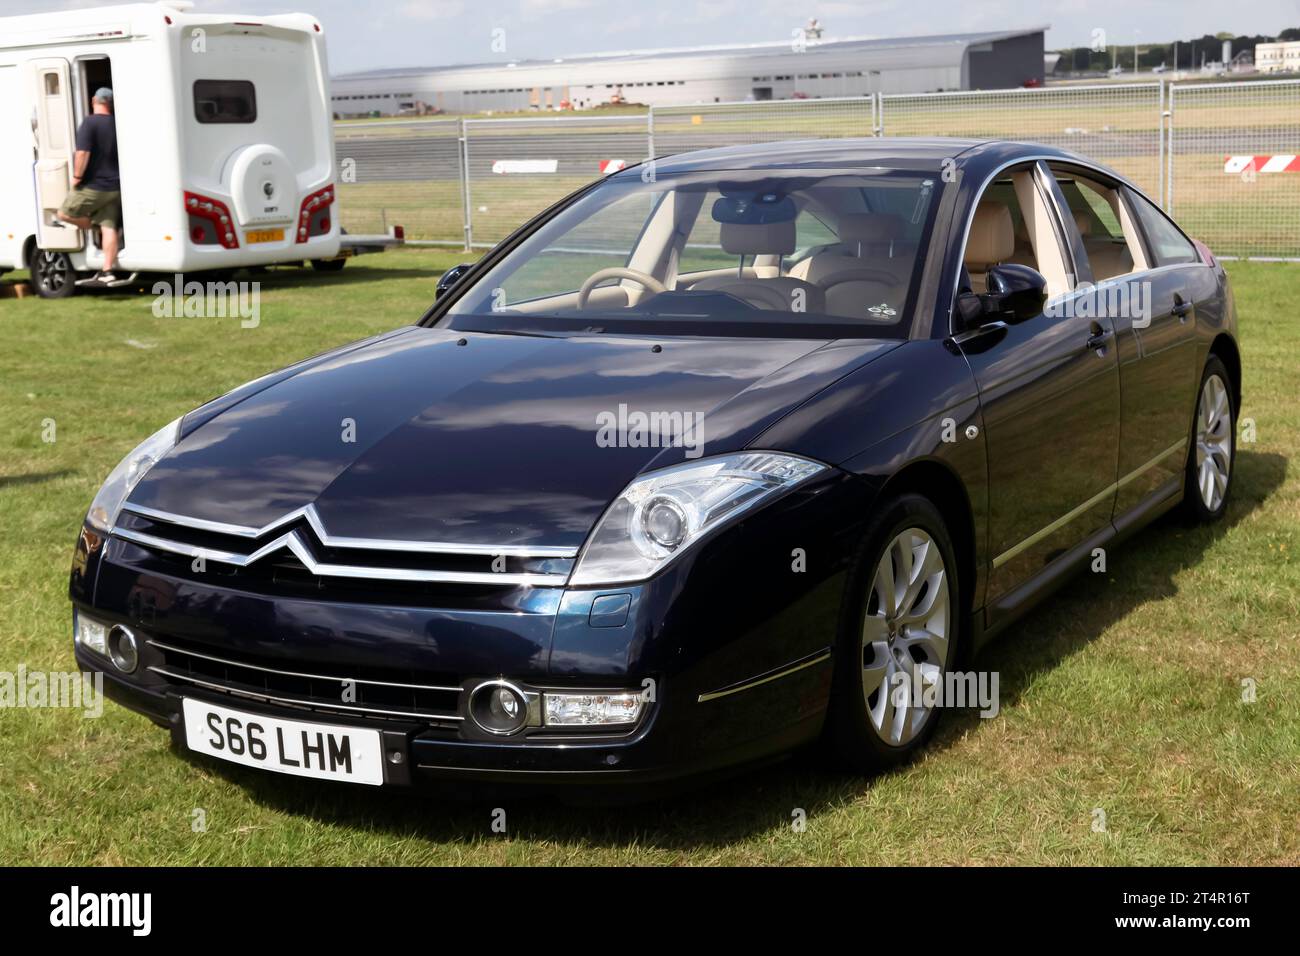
x: 450, y: 278
x: 1015, y: 293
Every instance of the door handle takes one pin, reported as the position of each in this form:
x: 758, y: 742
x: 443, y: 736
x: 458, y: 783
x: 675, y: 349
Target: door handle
x: 1099, y: 337
x: 1181, y: 308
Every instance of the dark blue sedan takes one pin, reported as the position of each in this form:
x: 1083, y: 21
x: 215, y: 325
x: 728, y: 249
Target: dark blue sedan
x: 729, y: 453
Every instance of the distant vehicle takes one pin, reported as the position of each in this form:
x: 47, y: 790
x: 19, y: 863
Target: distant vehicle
x: 689, y: 471
x: 225, y: 139
x: 1115, y: 71
x: 1158, y: 69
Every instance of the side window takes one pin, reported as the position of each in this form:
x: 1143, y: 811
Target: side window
x: 703, y: 249
x: 810, y: 232
x: 225, y: 101
x: 604, y: 239
x: 1109, y: 237
x: 1168, y: 245
x: 1012, y: 224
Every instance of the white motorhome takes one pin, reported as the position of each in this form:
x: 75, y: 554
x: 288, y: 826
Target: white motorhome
x: 225, y: 139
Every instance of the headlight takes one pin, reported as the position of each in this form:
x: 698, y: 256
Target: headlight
x: 660, y: 515
x: 108, y: 502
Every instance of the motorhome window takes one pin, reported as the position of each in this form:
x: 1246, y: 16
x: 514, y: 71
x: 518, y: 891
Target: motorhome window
x: 224, y: 101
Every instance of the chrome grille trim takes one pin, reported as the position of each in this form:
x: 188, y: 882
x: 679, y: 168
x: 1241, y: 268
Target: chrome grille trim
x: 271, y: 670
x: 305, y: 702
x: 295, y: 544
x: 312, y: 518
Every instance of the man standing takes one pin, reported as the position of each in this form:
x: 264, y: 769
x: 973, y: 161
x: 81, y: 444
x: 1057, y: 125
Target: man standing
x: 96, y: 198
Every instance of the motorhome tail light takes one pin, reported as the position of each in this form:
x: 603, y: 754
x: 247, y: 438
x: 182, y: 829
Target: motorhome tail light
x: 210, y: 222
x: 314, y: 215
x: 399, y: 232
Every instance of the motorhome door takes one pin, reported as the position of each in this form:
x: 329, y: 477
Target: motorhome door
x: 52, y: 127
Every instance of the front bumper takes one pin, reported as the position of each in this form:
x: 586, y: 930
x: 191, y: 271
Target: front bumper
x: 730, y: 612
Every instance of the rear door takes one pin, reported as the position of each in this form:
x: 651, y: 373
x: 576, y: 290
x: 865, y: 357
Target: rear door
x: 1145, y: 291
x: 1049, y: 393
x: 52, y: 125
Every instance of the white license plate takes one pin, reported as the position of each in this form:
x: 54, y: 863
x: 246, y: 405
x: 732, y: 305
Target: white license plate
x: 300, y: 747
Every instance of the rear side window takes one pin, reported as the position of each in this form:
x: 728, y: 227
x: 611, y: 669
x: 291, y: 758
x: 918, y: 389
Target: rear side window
x: 1168, y: 245
x: 224, y: 101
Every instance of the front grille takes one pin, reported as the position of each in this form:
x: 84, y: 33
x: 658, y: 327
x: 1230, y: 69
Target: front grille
x: 383, y: 695
x: 297, y: 555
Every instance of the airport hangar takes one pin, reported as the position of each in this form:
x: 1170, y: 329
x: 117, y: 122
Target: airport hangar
x: 814, y: 69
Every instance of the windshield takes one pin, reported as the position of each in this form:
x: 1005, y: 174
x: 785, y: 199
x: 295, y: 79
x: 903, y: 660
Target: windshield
x: 797, y: 252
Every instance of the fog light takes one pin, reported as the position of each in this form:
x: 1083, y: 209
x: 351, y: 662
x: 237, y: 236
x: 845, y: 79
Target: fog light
x: 89, y: 633
x: 122, y: 649
x: 499, y: 707
x: 586, y: 710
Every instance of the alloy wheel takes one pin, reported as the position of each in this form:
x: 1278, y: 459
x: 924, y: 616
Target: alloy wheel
x: 1213, y: 442
x: 905, y: 635
x: 53, y: 272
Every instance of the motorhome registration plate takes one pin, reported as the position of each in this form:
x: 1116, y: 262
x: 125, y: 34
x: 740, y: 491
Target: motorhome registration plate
x: 265, y: 235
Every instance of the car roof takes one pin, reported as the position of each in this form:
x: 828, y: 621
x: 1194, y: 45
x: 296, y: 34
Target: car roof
x: 921, y: 153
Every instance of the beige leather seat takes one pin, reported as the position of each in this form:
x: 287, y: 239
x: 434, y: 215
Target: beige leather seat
x: 1107, y: 257
x: 778, y: 293
x: 992, y: 240
x: 871, y: 265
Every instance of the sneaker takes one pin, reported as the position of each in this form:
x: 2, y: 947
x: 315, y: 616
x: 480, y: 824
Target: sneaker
x: 100, y: 279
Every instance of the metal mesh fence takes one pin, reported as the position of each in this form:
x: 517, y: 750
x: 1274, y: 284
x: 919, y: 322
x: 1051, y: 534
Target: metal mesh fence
x: 1220, y: 156
x: 517, y: 167
x: 1235, y: 179
x: 401, y: 173
x: 1115, y: 124
x: 678, y: 129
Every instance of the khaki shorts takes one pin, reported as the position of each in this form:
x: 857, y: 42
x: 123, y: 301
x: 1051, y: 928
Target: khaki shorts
x: 103, y: 208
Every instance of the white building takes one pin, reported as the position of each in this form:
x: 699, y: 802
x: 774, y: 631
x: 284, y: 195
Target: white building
x: 1278, y: 57
x: 788, y: 69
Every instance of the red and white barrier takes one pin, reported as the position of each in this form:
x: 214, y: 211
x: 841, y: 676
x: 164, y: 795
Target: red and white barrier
x: 608, y: 166
x: 1261, y: 164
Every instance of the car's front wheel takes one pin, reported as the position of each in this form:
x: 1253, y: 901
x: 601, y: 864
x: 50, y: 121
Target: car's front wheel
x: 1214, y: 446
x: 898, y: 637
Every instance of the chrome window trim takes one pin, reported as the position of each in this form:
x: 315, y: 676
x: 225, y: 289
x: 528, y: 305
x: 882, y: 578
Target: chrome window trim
x: 313, y: 518
x: 301, y: 701
x: 970, y: 215
x: 271, y: 670
x: 1073, y: 513
x: 295, y: 544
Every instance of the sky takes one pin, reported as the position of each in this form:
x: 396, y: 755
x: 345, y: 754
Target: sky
x: 382, y: 33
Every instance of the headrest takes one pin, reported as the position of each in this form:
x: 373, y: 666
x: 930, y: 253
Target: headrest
x: 1083, y: 221
x: 765, y: 239
x: 992, y: 237
x: 870, y: 227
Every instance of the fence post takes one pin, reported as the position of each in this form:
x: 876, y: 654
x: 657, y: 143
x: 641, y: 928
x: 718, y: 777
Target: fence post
x: 464, y: 185
x: 1167, y: 123
x: 650, y: 133
x: 1160, y: 151
x: 878, y: 108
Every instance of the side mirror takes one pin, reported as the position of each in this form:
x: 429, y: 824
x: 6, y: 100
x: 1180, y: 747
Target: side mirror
x: 450, y: 278
x: 1015, y: 293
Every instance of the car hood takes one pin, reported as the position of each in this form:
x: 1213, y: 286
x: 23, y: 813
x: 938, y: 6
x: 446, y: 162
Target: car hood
x: 487, y: 439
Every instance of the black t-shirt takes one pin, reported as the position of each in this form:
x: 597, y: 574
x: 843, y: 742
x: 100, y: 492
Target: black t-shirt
x: 98, y: 136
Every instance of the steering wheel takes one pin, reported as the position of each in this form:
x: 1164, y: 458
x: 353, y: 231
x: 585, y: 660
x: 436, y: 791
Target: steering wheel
x: 650, y: 283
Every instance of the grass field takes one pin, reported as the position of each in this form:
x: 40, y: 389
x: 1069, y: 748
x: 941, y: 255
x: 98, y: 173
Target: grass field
x: 1123, y: 694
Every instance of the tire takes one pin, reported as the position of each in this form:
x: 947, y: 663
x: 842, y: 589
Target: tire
x: 328, y: 265
x: 1212, y: 455
x: 864, y: 732
x: 52, y: 274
